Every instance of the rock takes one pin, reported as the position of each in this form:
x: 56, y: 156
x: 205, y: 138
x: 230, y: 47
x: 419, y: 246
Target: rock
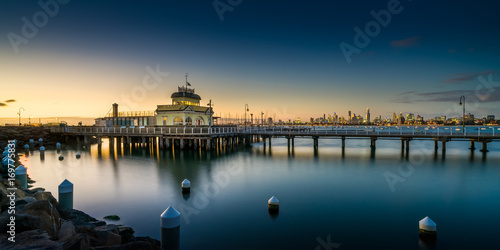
x: 110, y: 227
x: 150, y: 240
x: 38, y: 189
x: 126, y: 233
x: 46, y: 196
x: 112, y: 217
x: 77, y: 242
x: 67, y: 231
x: 33, y: 239
x: 110, y: 234
x: 79, y: 218
x: 94, y: 239
x: 39, y: 215
x: 19, y: 202
x: 143, y: 245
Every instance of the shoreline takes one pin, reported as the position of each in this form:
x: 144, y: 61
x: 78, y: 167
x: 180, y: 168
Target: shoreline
x: 40, y: 223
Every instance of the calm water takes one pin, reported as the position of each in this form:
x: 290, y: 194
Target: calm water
x: 325, y: 198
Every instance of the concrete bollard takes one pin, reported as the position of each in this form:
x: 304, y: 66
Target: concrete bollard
x: 170, y: 229
x: 66, y: 194
x: 58, y: 145
x: 6, y: 160
x: 21, y: 176
x: 186, y: 186
x: 42, y: 149
x: 61, y: 157
x: 78, y: 155
x: 273, y: 205
x: 26, y: 147
x: 32, y: 143
x: 40, y: 142
x: 427, y: 227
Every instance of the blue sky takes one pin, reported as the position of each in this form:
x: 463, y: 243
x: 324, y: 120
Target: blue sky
x: 283, y: 57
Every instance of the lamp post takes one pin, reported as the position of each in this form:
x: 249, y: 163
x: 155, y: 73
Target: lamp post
x: 463, y: 114
x: 251, y: 120
x: 245, y: 121
x: 20, y: 114
x: 210, y: 119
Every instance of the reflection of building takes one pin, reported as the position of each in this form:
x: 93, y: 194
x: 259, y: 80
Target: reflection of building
x: 185, y: 110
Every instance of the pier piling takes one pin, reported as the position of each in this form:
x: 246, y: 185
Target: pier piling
x: 21, y: 176
x: 66, y: 194
x: 170, y: 229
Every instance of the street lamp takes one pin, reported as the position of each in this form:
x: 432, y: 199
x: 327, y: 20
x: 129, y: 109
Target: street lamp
x: 20, y: 114
x: 245, y: 121
x: 463, y: 114
x: 210, y: 119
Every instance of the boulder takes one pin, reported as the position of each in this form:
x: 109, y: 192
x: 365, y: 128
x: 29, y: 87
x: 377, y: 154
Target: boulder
x: 143, y: 245
x: 77, y: 242
x: 32, y: 239
x: 126, y: 233
x: 39, y: 215
x: 67, y: 231
x: 110, y: 234
x: 46, y: 196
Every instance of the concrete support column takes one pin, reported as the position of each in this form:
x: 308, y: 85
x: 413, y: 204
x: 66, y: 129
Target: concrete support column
x: 99, y: 140
x: 443, y: 146
x: 407, y: 145
x: 167, y: 143
x: 195, y: 143
x: 472, y: 145
x: 435, y: 145
x: 402, y: 145
x: 343, y: 142
x: 485, y: 147
x: 372, y: 142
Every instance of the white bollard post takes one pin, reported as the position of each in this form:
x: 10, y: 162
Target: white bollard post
x: 66, y: 194
x: 61, y: 157
x: 21, y: 176
x: 58, y: 145
x: 186, y: 186
x: 427, y: 227
x: 273, y: 205
x: 170, y: 221
x: 26, y: 147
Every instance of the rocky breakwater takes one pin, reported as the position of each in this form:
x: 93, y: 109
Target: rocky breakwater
x: 32, y: 219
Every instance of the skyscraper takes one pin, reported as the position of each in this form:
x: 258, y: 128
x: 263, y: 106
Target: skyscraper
x: 349, y: 117
x: 368, y: 115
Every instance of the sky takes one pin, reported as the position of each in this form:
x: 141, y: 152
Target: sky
x: 288, y: 59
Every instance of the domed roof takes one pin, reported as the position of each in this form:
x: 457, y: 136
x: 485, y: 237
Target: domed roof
x: 185, y: 94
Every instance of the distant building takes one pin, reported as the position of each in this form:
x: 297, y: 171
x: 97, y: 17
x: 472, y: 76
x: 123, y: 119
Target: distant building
x: 367, y: 115
x: 184, y: 110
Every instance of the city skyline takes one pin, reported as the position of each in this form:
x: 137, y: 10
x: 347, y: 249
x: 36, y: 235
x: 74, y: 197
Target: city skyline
x: 283, y: 58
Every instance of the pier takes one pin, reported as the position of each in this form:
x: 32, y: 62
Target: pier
x: 228, y: 137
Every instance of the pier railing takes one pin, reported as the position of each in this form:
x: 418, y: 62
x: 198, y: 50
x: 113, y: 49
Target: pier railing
x: 422, y: 132
x: 146, y: 130
x: 469, y: 132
